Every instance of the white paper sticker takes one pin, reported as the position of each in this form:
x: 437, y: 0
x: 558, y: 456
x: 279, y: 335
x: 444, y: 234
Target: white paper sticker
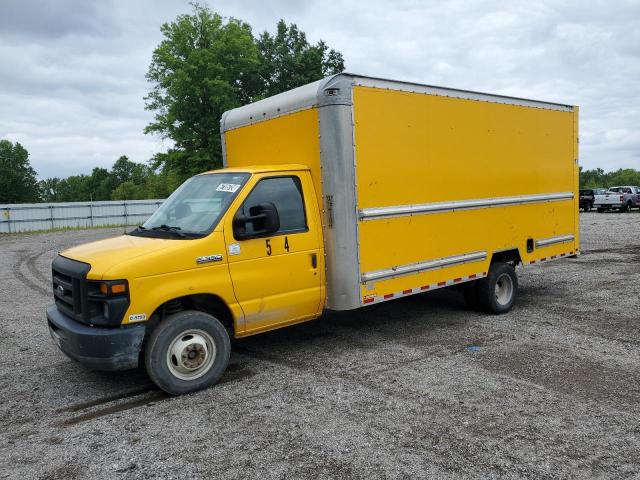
x: 234, y: 249
x: 227, y: 187
x: 138, y: 317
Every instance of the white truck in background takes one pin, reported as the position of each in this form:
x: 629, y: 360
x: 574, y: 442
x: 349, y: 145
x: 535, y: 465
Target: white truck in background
x: 622, y: 198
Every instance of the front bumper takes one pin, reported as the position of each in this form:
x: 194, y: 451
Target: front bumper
x: 96, y: 347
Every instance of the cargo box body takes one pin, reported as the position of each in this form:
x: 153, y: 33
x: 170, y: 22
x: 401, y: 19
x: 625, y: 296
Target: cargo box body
x: 419, y: 187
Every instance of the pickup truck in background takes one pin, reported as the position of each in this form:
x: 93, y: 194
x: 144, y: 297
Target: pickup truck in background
x: 618, y: 198
x: 587, y: 197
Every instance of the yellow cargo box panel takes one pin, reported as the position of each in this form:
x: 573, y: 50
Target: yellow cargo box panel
x: 465, y: 178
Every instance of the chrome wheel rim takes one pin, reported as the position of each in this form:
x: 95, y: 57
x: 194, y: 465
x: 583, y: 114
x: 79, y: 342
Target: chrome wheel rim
x: 191, y: 354
x: 504, y: 289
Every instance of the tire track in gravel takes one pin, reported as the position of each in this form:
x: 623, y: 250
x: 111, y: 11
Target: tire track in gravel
x: 140, y: 397
x: 31, y: 265
x: 33, y: 285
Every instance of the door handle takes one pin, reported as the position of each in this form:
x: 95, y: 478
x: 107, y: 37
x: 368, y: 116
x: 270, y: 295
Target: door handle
x: 314, y: 260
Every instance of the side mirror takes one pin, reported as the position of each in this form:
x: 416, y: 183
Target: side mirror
x: 264, y: 220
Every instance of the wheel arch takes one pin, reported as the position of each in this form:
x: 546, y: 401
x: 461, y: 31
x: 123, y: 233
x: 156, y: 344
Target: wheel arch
x: 510, y: 255
x: 203, y: 302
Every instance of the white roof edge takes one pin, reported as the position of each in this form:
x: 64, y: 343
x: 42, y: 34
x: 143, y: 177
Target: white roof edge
x: 309, y: 95
x: 376, y: 82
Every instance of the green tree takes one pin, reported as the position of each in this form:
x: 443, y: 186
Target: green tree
x: 124, y: 170
x: 161, y: 185
x: 127, y: 191
x: 206, y: 65
x: 101, y: 184
x: 50, y: 189
x: 202, y: 67
x: 18, y: 182
x: 287, y: 60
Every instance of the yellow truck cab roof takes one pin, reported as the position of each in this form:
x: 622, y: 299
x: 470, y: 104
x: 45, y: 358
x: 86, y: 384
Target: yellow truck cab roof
x: 261, y: 168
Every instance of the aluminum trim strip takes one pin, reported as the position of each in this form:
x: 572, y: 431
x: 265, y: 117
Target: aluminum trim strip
x: 412, y: 268
x: 545, y: 242
x: 439, y: 207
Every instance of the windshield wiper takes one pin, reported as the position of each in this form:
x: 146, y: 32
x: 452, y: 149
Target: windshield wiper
x: 168, y: 228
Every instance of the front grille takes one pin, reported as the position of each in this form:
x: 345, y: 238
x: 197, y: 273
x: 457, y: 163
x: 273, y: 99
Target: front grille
x: 70, y: 288
x: 80, y: 299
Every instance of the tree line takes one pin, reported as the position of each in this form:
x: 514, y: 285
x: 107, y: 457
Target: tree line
x: 204, y: 65
x: 598, y: 178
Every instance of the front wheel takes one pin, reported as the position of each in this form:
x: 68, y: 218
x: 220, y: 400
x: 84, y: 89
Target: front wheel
x: 187, y: 351
x: 498, y: 291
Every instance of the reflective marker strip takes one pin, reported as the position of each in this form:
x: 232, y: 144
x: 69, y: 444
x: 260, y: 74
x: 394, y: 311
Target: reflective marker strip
x: 368, y: 300
x: 553, y: 257
x: 372, y: 299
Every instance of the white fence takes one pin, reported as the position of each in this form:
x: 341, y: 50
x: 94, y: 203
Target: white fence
x: 26, y: 217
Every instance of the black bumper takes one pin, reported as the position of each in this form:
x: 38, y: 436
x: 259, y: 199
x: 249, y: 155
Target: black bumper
x: 96, y: 347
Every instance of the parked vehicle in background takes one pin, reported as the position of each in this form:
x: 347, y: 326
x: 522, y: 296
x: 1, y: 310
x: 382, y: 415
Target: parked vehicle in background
x: 587, y: 197
x: 618, y: 198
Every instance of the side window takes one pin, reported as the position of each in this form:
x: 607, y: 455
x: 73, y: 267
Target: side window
x: 286, y: 194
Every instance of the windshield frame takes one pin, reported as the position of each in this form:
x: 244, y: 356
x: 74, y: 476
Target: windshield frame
x: 141, y: 231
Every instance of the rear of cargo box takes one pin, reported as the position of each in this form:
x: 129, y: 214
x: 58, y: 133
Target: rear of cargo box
x: 447, y: 180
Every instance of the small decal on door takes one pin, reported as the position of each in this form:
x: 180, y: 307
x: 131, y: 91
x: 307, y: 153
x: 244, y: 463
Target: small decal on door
x: 234, y: 249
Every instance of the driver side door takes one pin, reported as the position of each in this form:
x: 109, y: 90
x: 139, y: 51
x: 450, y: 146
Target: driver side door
x: 276, y: 277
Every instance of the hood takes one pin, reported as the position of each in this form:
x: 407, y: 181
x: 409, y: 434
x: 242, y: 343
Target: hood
x: 105, y: 254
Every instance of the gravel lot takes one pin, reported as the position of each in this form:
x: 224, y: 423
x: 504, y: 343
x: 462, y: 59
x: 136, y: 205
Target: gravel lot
x: 390, y: 391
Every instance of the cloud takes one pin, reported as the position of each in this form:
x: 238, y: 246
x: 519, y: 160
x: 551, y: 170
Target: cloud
x: 73, y: 83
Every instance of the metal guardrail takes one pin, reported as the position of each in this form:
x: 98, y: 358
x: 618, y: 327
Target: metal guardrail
x: 18, y: 217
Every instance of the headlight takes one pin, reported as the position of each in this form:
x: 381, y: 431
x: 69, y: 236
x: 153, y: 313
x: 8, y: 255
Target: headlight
x: 113, y: 287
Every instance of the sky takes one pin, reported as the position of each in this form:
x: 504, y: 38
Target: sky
x: 72, y: 75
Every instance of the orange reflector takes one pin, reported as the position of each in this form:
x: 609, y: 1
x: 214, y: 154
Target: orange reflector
x: 119, y: 288
x: 103, y: 288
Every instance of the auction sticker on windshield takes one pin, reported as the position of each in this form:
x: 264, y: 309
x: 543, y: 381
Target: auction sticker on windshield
x: 227, y: 187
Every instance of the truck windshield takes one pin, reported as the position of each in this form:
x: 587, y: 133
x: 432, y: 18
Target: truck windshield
x: 194, y: 209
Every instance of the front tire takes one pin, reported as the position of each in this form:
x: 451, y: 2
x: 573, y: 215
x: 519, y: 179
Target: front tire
x: 187, y: 351
x: 497, y: 292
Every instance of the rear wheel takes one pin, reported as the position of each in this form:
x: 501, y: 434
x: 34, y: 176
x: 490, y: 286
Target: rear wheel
x: 498, y: 291
x: 626, y: 207
x: 187, y: 351
x: 600, y: 210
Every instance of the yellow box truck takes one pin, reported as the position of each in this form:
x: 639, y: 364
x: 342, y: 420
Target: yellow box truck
x: 336, y: 195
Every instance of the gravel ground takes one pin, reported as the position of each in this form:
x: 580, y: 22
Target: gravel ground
x: 390, y: 391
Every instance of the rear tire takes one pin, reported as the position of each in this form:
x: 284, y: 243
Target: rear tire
x: 600, y: 210
x: 187, y: 351
x: 497, y: 292
x: 626, y: 207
